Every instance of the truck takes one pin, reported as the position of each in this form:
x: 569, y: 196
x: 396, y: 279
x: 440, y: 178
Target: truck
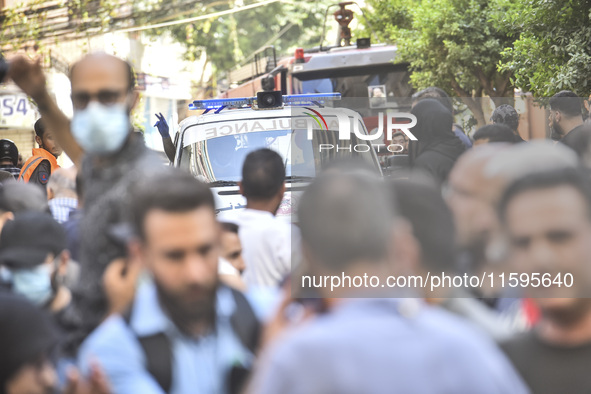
x: 368, y: 76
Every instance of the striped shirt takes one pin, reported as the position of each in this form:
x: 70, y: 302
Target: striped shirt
x: 15, y: 171
x: 61, y: 208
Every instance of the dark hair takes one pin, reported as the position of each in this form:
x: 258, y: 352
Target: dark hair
x: 19, y: 197
x: 420, y: 202
x: 129, y: 70
x: 229, y: 227
x: 26, y: 333
x: 434, y: 92
x: 573, y: 177
x: 177, y: 192
x: 346, y: 218
x: 263, y: 174
x: 496, y: 133
x: 507, y: 115
x: 434, y: 122
x: 39, y: 128
x: 566, y: 102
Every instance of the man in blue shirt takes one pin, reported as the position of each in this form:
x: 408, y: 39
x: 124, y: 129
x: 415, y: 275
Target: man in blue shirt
x: 184, y: 332
x: 372, y: 345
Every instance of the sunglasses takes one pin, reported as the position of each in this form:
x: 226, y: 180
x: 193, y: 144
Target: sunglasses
x: 80, y: 100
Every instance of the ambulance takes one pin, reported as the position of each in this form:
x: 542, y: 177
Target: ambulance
x: 301, y: 128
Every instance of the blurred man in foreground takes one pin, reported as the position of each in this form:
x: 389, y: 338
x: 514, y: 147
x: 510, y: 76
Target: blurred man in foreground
x: 109, y: 156
x: 473, y: 193
x: 18, y: 197
x: 33, y: 248
x: 372, y: 345
x: 547, y: 217
x: 28, y: 340
x: 420, y: 202
x: 185, y: 333
x: 473, y: 207
x: 476, y: 185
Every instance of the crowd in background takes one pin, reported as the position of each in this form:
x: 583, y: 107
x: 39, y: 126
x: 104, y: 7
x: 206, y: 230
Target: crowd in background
x: 117, y: 276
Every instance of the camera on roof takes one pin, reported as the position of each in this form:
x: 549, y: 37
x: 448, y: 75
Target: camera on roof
x: 270, y: 99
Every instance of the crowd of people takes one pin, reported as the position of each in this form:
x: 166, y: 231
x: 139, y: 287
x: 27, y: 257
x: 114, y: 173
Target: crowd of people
x: 116, y: 275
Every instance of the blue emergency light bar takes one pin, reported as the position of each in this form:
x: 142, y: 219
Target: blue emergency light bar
x: 217, y: 103
x: 307, y: 99
x: 293, y: 100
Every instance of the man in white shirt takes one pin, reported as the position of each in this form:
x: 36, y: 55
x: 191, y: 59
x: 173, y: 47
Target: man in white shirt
x: 266, y: 240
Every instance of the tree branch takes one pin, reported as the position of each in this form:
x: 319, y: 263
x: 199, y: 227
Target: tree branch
x: 485, y: 82
x: 504, y: 85
x: 470, y: 101
x: 457, y: 88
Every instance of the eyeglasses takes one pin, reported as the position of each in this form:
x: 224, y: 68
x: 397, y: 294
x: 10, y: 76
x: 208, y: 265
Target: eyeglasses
x: 80, y: 100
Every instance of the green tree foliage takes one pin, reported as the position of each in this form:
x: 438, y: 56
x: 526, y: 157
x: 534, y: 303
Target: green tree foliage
x: 552, y: 48
x: 227, y: 40
x: 452, y: 44
x: 37, y: 22
x: 230, y: 40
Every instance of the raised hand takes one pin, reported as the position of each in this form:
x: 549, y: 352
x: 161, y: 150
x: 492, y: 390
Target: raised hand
x: 162, y: 126
x: 119, y: 281
x: 96, y: 383
x: 28, y: 75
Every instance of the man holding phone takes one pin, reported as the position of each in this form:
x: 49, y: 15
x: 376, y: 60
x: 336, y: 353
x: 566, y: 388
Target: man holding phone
x: 181, y: 316
x: 109, y: 155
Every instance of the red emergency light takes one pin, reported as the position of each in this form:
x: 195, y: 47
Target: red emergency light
x: 299, y: 55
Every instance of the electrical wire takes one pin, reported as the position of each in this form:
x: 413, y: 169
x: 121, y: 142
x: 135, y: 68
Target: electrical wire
x: 198, y: 18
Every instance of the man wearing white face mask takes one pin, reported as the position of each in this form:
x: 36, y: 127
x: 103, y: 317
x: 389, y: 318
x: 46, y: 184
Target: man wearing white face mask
x: 109, y: 156
x: 32, y: 249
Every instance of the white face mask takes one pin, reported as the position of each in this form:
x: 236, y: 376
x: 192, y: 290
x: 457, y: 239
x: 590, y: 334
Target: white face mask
x: 34, y: 283
x: 100, y: 128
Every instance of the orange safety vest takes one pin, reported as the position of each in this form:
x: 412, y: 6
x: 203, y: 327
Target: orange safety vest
x: 33, y: 162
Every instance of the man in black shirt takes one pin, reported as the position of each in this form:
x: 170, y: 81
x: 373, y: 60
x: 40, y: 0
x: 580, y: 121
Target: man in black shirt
x: 547, y: 217
x: 108, y: 154
x: 566, y: 120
